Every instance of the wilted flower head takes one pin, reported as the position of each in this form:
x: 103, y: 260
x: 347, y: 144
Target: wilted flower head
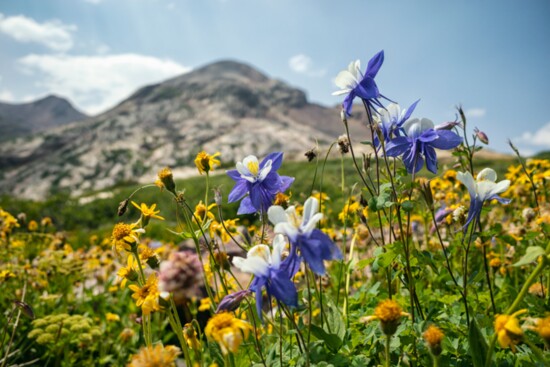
x: 206, y: 162
x: 155, y: 356
x: 181, y: 276
x: 419, y: 143
x: 166, y: 180
x: 509, y: 333
x: 311, y: 154
x: 343, y: 144
x: 227, y: 331
x: 354, y: 83
x: 482, y: 189
x: 314, y: 245
x: 260, y: 181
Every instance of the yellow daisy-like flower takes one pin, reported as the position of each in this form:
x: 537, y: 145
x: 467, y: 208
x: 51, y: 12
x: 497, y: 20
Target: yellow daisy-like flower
x: 166, y: 180
x: 227, y: 331
x: 33, y: 226
x: 205, y: 305
x: 202, y: 213
x: 543, y: 329
x: 190, y: 335
x: 509, y: 333
x: 129, y: 272
x: 5, y: 275
x: 206, y: 162
x: 148, y: 212
x: 147, y: 296
x: 433, y: 337
x: 156, y: 356
x: 112, y: 317
x: 124, y: 236
x: 389, y: 314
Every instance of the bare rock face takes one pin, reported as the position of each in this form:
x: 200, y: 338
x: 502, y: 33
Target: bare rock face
x: 226, y: 106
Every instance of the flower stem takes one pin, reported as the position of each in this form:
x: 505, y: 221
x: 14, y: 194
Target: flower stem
x: 388, y: 355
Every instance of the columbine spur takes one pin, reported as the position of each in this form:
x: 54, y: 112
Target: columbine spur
x: 482, y: 189
x: 260, y: 181
x: 314, y: 245
x: 419, y: 143
x: 356, y: 84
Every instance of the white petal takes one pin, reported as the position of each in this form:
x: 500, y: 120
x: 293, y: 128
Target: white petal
x: 276, y: 214
x: 409, y: 125
x: 500, y: 187
x: 253, y: 265
x: 260, y: 251
x: 468, y: 181
x: 265, y: 171
x: 340, y: 92
x: 311, y: 207
x: 279, y: 244
x: 487, y: 174
x: 485, y: 189
x: 309, y: 226
x: 394, y: 110
x: 345, y: 80
x: 287, y: 229
x: 243, y: 170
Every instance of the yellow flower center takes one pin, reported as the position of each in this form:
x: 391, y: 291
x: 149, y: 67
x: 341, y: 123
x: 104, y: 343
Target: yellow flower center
x: 122, y: 230
x: 388, y: 310
x: 253, y: 167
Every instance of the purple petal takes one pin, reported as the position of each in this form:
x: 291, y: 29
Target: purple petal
x: 246, y: 207
x: 446, y: 140
x: 374, y: 64
x: 286, y: 181
x: 347, y: 105
x: 428, y: 136
x: 397, y: 146
x: 256, y: 287
x: 500, y: 200
x: 431, y: 159
x: 408, y: 113
x: 283, y: 289
x: 367, y: 89
x: 239, y: 190
x: 234, y: 174
x: 276, y: 160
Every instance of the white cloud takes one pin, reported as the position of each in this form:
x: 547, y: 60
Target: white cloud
x: 98, y: 82
x: 476, y: 112
x: 6, y: 96
x: 541, y: 137
x: 302, y: 64
x: 52, y: 34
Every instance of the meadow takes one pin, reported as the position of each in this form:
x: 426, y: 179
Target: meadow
x: 391, y: 258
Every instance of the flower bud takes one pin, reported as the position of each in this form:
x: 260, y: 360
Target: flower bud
x: 232, y: 301
x: 433, y: 337
x: 122, y: 207
x: 447, y: 125
x: 218, y: 196
x: 481, y: 136
x: 343, y: 116
x: 167, y: 179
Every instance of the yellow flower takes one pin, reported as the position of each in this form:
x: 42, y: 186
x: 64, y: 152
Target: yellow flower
x: 227, y: 331
x: 281, y: 199
x: 389, y: 313
x: 537, y: 289
x: 126, y: 334
x: 543, y: 329
x: 124, y: 236
x: 433, y: 337
x: 46, y: 221
x: 166, y: 180
x: 202, y: 213
x: 33, y: 226
x: 147, y: 296
x: 7, y: 223
x: 112, y: 317
x: 5, y: 275
x: 148, y: 212
x: 206, y: 162
x: 129, y: 272
x: 190, y: 335
x: 156, y: 356
x: 509, y: 333
x: 205, y: 305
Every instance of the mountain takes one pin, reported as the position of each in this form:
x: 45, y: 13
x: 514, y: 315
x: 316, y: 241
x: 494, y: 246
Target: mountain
x: 226, y: 106
x: 22, y: 119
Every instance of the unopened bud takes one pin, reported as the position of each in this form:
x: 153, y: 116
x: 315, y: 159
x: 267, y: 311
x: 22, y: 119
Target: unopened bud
x: 122, y: 207
x: 447, y: 125
x: 218, y: 196
x: 232, y: 301
x: 366, y: 162
x: 481, y: 136
x: 343, y: 116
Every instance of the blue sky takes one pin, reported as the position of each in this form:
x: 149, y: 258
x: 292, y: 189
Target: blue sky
x: 491, y: 56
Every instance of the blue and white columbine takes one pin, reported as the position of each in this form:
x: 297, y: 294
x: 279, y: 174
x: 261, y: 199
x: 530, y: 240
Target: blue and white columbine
x: 271, y: 272
x: 260, y: 181
x: 391, y: 120
x: 419, y: 143
x: 356, y: 84
x: 314, y: 245
x: 482, y: 189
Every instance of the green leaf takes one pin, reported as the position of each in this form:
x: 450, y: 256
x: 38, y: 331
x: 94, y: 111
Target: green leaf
x: 478, y: 345
x: 332, y: 341
x: 531, y: 254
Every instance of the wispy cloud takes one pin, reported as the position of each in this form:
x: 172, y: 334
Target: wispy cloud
x: 302, y: 64
x: 53, y: 34
x: 97, y: 82
x: 6, y: 96
x: 476, y: 112
x: 531, y: 142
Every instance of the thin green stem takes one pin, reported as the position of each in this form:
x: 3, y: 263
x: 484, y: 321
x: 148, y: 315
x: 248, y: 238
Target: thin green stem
x: 388, y: 354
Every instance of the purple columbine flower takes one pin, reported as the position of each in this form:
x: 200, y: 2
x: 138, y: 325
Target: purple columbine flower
x: 419, y: 143
x: 482, y: 189
x: 314, y: 245
x: 260, y: 181
x: 356, y: 84
x: 270, y: 272
x: 391, y: 120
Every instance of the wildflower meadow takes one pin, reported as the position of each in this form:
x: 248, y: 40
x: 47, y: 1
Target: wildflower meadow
x: 366, y: 253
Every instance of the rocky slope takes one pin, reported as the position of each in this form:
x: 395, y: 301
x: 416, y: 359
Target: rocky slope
x: 226, y: 106
x: 25, y: 118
